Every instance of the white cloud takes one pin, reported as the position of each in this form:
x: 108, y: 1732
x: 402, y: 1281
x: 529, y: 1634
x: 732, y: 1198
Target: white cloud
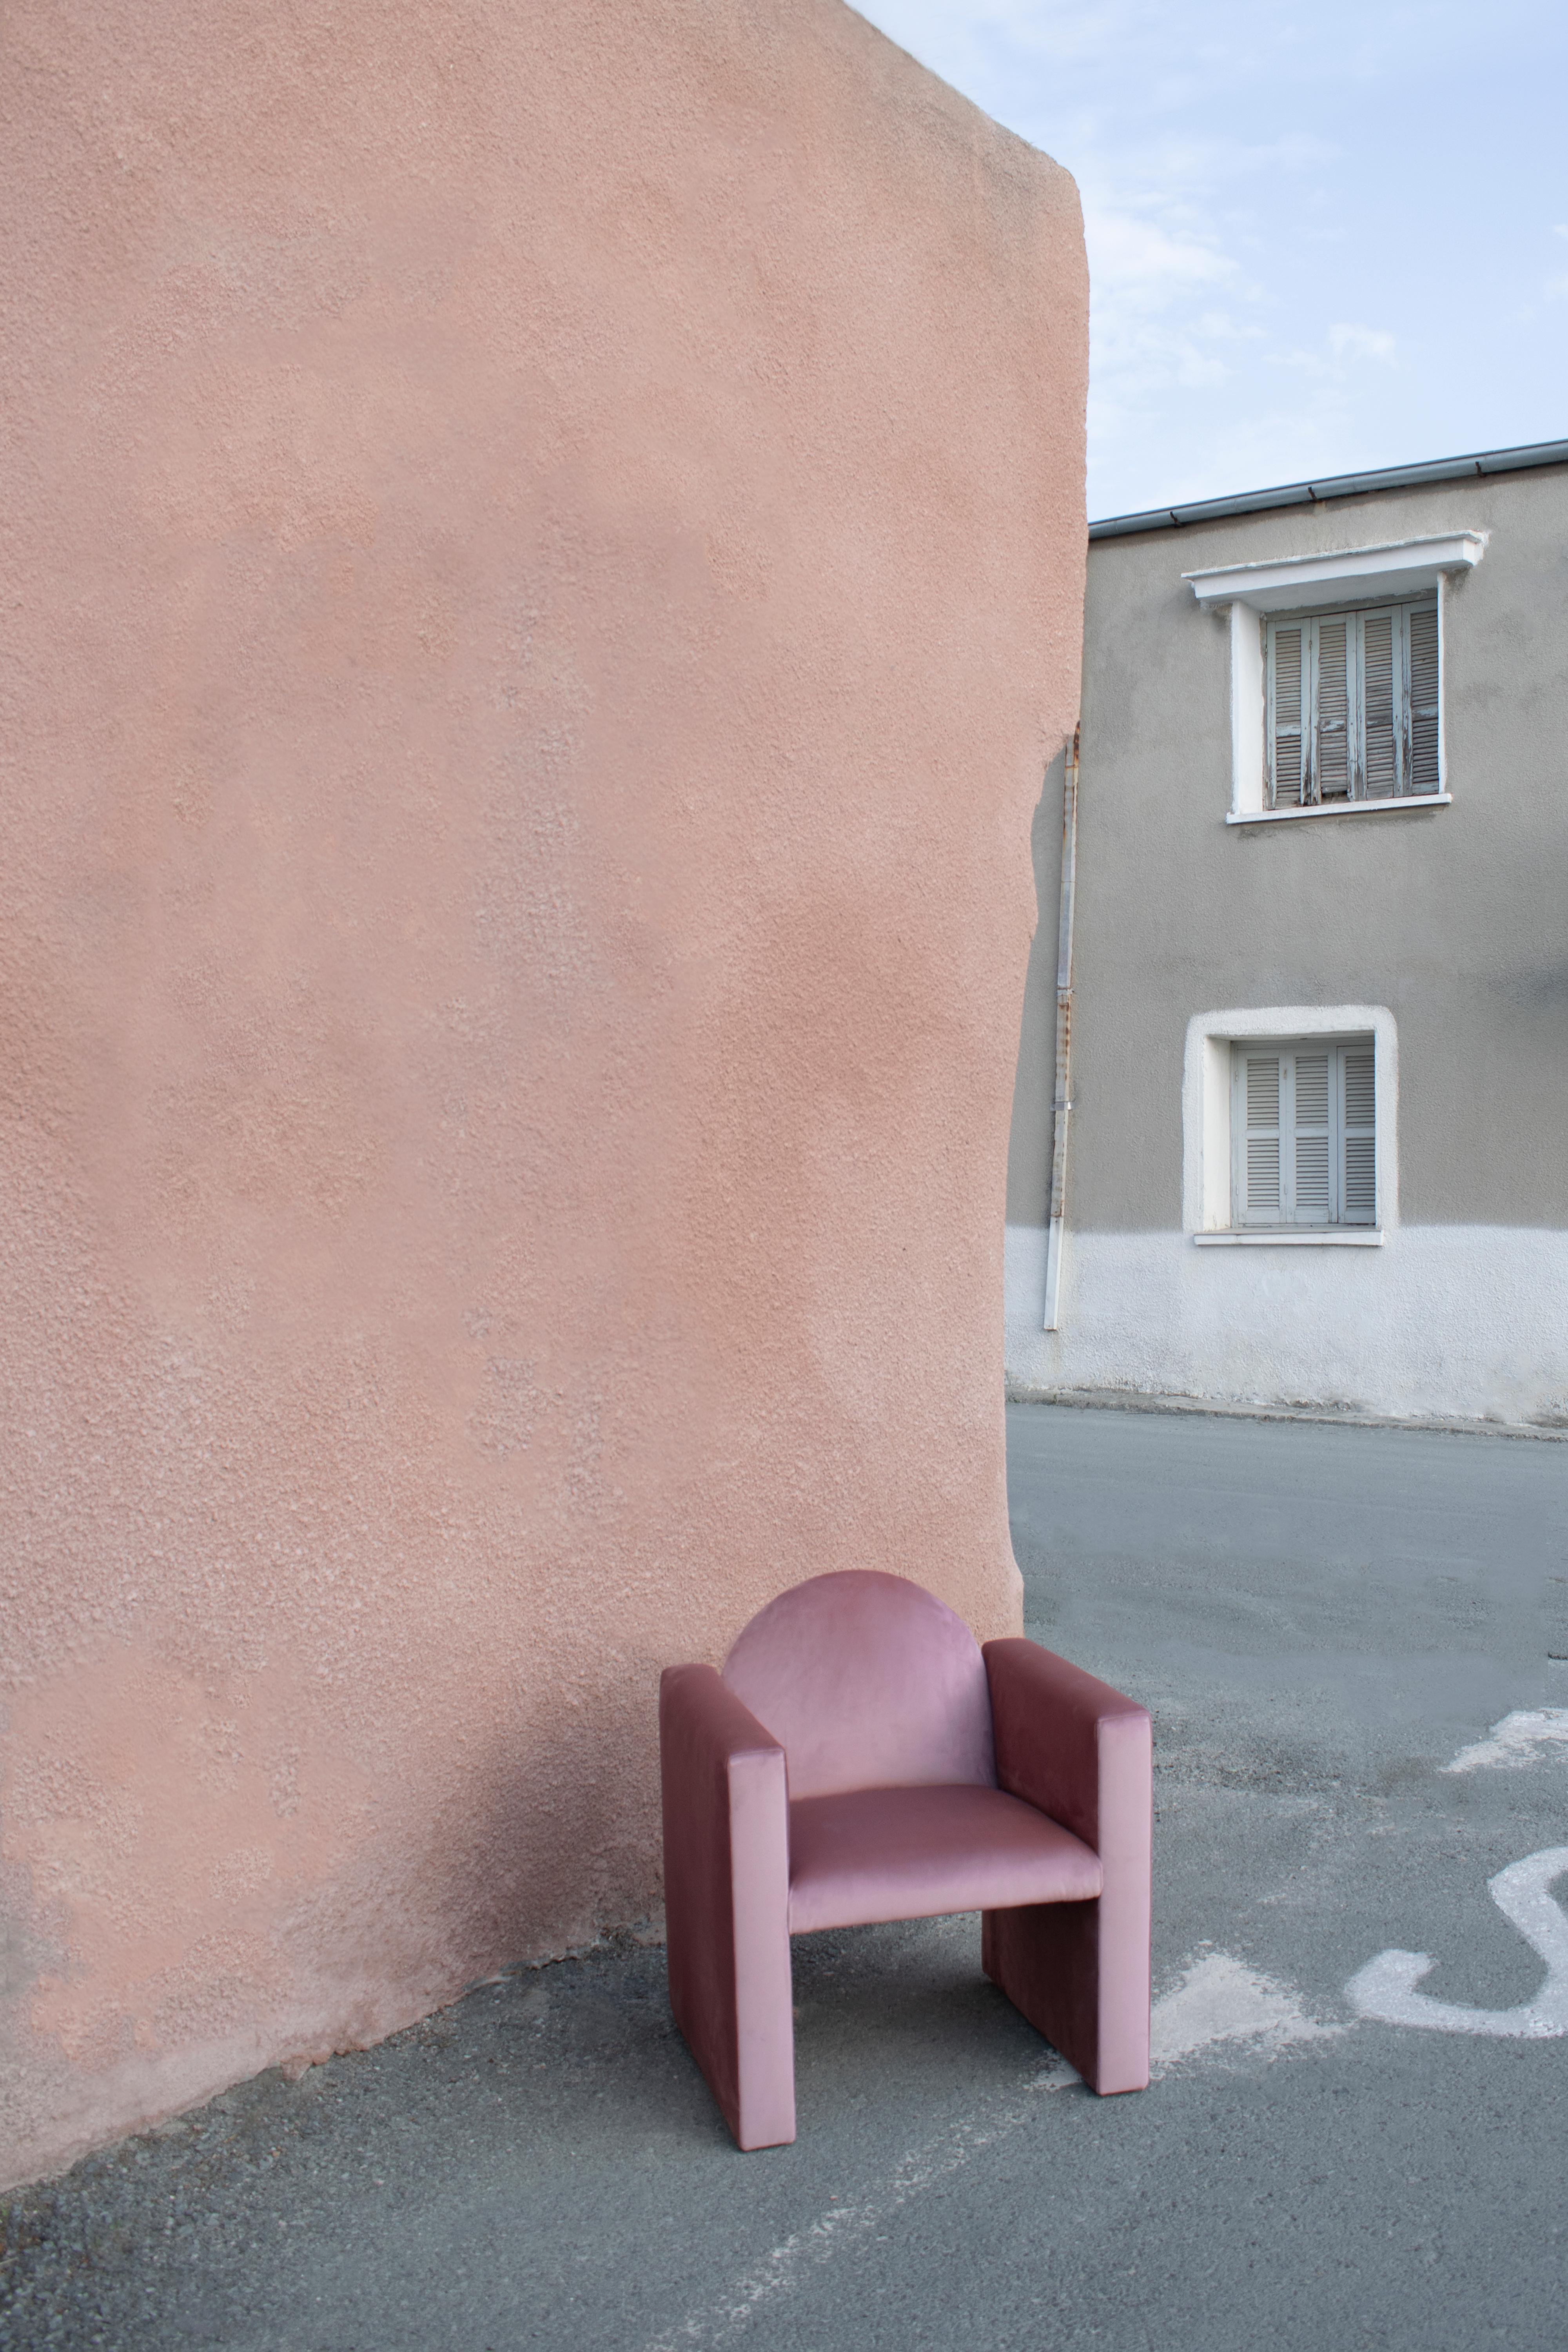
x: 1361, y: 342
x: 1126, y: 253
x: 1232, y: 158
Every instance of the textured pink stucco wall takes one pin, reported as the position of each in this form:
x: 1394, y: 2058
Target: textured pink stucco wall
x: 542, y: 564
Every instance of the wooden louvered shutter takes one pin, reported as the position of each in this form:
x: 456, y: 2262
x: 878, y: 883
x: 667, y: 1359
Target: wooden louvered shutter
x: 1379, y: 755
x: 1287, y: 648
x: 1256, y: 1122
x: 1358, y: 1186
x: 1352, y: 706
x: 1303, y: 1132
x: 1421, y: 772
x: 1310, y: 1070
x: 1331, y: 710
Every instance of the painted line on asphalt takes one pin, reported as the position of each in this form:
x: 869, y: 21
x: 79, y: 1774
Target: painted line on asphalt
x: 1219, y: 2000
x: 848, y: 2224
x: 1522, y: 1738
x: 1386, y: 1989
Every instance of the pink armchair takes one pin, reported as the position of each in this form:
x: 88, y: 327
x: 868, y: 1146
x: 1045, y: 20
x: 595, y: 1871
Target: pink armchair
x: 860, y: 1758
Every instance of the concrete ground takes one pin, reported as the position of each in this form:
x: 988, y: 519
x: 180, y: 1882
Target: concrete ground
x: 1321, y: 1620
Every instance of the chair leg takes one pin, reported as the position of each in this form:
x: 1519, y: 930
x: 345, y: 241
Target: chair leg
x: 1082, y: 1979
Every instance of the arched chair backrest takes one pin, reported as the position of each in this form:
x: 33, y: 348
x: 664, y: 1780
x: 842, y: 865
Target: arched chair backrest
x: 868, y: 1682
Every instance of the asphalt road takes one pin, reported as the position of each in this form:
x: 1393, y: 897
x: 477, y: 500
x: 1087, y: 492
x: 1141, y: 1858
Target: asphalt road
x: 1322, y: 1619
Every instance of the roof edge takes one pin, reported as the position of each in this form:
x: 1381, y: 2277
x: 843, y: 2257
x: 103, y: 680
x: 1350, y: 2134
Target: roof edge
x: 1336, y: 486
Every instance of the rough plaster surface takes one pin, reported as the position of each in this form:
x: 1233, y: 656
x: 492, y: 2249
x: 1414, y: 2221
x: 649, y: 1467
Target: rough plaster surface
x: 1462, y: 1322
x: 545, y: 571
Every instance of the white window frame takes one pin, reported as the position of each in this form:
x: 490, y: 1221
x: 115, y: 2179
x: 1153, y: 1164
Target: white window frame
x: 1206, y: 1095
x: 1395, y: 573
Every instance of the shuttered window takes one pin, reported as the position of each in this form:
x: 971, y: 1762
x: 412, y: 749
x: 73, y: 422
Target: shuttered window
x: 1303, y: 1132
x: 1351, y: 705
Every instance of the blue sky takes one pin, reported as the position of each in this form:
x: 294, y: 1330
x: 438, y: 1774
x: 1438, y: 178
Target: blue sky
x: 1319, y: 237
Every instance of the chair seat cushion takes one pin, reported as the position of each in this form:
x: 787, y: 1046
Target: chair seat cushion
x: 913, y: 1854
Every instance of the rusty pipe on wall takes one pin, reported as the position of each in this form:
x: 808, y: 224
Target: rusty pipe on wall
x: 1062, y: 1100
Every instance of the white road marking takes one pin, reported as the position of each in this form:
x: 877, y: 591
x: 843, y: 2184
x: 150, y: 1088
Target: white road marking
x: 1386, y: 1988
x: 1218, y: 2000
x: 1222, y: 2000
x: 1519, y: 1739
x: 846, y: 2225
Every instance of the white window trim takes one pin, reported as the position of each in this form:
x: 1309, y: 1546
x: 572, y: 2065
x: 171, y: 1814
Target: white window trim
x: 1206, y: 1121
x: 1390, y: 807
x: 1391, y: 574
x: 1294, y: 1237
x: 1395, y: 573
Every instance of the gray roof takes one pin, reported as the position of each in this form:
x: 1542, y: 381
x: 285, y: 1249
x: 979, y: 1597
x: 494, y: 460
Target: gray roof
x: 1336, y: 486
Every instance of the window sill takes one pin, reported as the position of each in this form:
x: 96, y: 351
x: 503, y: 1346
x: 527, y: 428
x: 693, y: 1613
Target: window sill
x: 1295, y: 1237
x: 1342, y: 808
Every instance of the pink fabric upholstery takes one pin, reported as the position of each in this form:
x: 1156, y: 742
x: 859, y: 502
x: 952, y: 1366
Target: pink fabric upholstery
x: 726, y: 1874
x: 859, y: 1759
x: 1080, y: 1751
x: 912, y: 1853
x: 869, y: 1683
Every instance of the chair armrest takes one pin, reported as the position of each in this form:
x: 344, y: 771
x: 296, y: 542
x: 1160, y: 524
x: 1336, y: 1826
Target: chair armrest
x: 726, y: 1886
x: 1072, y: 1748
x: 702, y: 1728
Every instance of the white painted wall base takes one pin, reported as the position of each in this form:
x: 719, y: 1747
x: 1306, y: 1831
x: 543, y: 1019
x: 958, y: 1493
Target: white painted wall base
x: 1448, y: 1321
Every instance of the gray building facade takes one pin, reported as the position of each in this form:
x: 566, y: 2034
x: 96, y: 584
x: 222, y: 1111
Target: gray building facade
x: 1317, y: 1151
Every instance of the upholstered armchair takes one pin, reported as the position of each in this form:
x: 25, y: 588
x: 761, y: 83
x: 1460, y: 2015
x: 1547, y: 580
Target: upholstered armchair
x: 860, y: 1758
